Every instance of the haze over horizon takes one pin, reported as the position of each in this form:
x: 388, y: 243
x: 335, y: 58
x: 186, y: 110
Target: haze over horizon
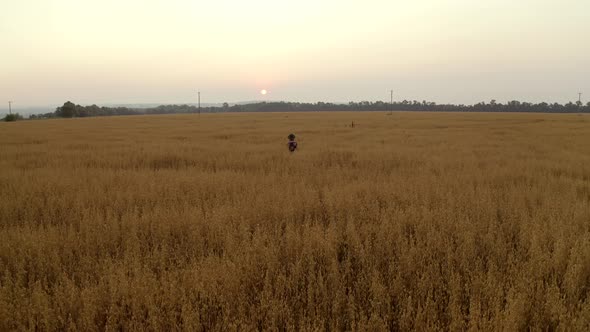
x: 156, y: 51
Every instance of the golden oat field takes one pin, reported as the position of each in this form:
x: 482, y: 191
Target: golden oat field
x: 408, y: 221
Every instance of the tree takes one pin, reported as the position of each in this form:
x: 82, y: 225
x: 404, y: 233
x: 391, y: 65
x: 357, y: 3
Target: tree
x: 12, y: 117
x: 68, y: 110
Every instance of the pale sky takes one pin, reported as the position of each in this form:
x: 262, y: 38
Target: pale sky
x: 163, y: 51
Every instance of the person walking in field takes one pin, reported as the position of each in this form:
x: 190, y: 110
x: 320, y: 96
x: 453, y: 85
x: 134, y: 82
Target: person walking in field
x: 292, y: 143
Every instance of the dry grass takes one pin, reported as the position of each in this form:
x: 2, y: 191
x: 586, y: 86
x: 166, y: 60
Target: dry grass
x: 413, y: 221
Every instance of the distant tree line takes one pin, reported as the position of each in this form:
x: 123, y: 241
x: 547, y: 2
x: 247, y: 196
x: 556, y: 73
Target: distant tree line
x: 12, y: 117
x: 70, y: 110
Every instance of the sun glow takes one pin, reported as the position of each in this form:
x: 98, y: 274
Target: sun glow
x: 263, y: 92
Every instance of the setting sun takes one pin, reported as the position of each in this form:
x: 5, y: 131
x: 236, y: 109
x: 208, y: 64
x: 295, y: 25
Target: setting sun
x: 263, y: 92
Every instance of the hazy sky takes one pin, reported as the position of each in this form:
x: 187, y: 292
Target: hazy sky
x: 162, y: 51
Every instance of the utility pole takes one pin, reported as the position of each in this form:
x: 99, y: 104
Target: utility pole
x: 579, y: 97
x: 10, y: 107
x: 391, y: 103
x: 199, y: 93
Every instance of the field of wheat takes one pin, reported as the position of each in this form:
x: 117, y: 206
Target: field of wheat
x: 408, y: 221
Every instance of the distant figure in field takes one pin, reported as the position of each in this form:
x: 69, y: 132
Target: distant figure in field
x: 292, y: 144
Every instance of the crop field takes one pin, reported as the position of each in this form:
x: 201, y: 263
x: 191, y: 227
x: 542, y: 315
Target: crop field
x: 408, y: 221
